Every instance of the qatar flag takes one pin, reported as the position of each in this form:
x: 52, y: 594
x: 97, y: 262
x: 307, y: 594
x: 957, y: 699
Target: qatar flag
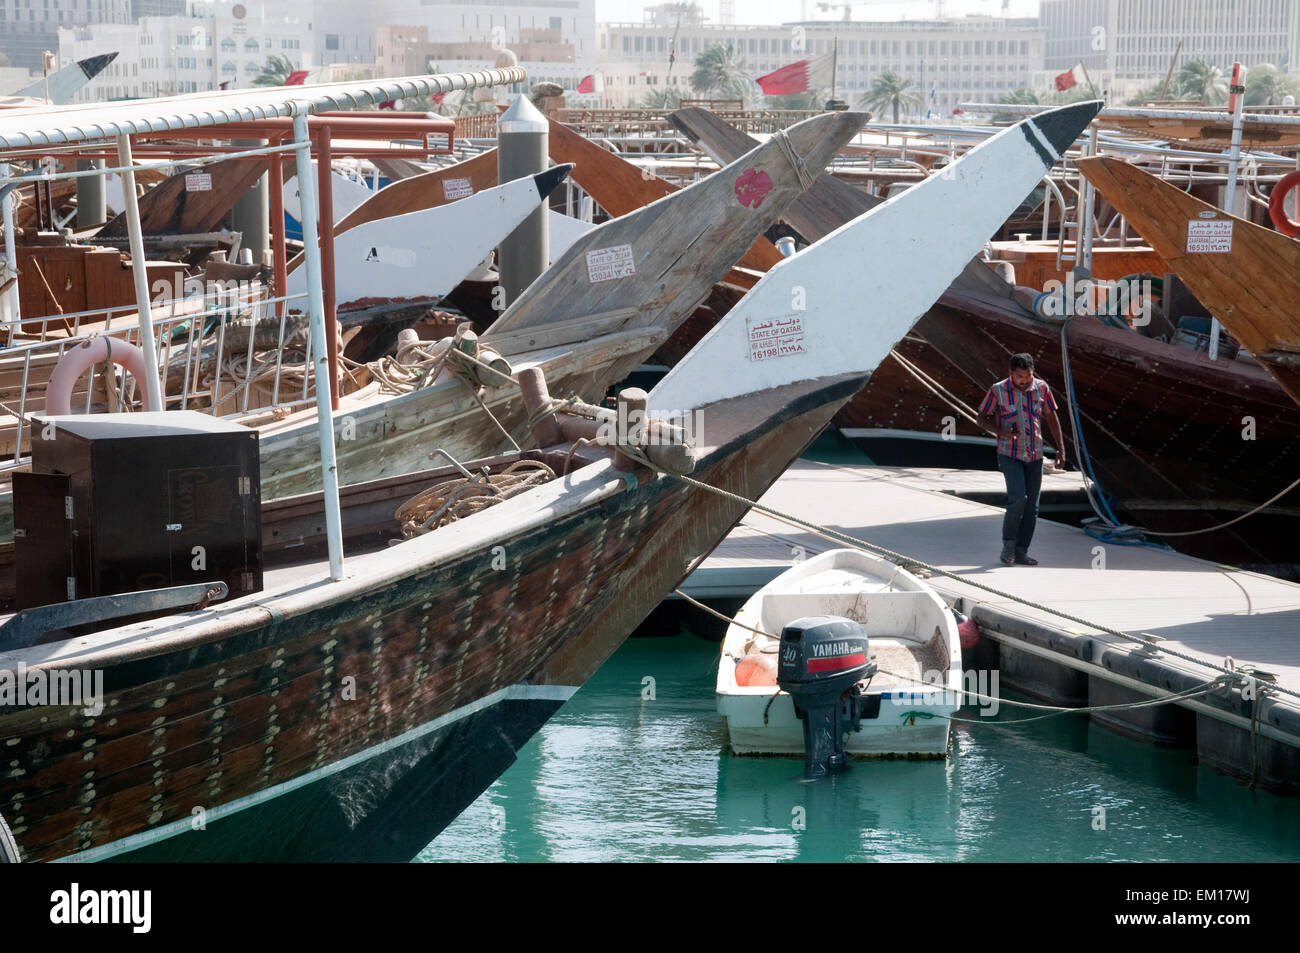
x: 1070, y: 78
x: 296, y: 78
x: 799, y: 77
x: 591, y: 84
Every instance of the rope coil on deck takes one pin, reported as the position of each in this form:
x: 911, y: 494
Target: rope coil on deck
x: 456, y: 499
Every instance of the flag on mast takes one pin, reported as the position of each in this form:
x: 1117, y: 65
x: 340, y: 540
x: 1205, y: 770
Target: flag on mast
x: 800, y: 77
x: 1070, y: 78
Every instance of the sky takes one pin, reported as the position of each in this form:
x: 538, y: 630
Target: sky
x: 781, y: 11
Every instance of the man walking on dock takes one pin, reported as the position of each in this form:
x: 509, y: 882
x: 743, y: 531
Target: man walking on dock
x: 1013, y: 410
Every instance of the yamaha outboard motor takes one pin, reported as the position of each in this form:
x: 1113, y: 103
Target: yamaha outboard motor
x: 822, y: 660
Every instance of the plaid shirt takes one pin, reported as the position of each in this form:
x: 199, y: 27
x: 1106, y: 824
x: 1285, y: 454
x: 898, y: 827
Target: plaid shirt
x: 1023, y: 410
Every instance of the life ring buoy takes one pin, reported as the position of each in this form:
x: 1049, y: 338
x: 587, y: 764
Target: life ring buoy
x: 74, y: 363
x: 1277, y: 205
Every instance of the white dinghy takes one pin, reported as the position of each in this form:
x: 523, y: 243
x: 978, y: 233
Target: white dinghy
x: 912, y: 635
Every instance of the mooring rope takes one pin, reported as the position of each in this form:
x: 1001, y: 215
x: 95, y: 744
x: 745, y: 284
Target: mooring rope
x: 835, y: 536
x: 1053, y: 710
x: 1109, y: 517
x: 806, y: 178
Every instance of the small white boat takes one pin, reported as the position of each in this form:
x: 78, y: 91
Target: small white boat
x: 913, y: 641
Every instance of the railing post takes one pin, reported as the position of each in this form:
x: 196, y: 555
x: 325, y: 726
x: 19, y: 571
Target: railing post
x: 11, y: 248
x: 329, y: 470
x: 325, y: 159
x: 140, y: 273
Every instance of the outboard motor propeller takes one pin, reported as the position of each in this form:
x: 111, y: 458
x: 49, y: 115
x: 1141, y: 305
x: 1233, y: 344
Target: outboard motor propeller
x: 822, y: 660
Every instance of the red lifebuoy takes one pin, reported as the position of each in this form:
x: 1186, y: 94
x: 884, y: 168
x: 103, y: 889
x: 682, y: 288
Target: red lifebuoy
x: 74, y: 363
x: 1277, y: 205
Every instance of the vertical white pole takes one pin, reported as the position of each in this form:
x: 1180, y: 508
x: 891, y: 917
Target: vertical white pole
x: 1084, y: 251
x: 153, y: 389
x: 1230, y: 193
x: 329, y: 470
x: 11, y: 248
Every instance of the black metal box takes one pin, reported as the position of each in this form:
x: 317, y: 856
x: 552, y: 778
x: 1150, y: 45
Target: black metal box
x: 127, y: 502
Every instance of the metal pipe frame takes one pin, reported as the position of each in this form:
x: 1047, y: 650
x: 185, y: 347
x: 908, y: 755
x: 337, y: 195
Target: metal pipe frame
x: 316, y: 314
x: 140, y: 273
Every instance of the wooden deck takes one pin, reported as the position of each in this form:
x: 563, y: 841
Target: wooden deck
x: 1205, y: 610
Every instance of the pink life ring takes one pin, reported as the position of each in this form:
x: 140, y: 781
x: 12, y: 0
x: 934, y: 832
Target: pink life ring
x: 74, y: 363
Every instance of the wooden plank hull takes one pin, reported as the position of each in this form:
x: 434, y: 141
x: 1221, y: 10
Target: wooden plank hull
x: 1163, y: 424
x: 234, y: 706
x: 250, y: 706
x: 1249, y: 279
x: 621, y: 188
x: 170, y: 208
x: 419, y: 192
x: 425, y: 253
x: 825, y: 206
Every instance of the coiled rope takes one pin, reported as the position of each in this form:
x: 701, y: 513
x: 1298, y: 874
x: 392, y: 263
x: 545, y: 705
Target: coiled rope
x: 456, y: 499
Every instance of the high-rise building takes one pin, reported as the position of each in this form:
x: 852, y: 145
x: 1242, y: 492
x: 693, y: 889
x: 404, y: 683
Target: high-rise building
x: 554, y: 40
x: 1134, y: 41
x: 217, y: 44
x: 948, y: 61
x: 29, y: 27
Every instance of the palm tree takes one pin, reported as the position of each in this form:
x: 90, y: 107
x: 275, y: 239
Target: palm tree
x: 1202, y: 81
x: 889, y: 90
x: 718, y: 71
x: 1266, y: 85
x: 275, y: 72
x: 666, y: 98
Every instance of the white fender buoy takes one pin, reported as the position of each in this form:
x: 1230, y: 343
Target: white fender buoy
x: 74, y: 363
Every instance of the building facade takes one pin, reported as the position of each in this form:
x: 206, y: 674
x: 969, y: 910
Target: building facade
x: 1134, y: 41
x: 218, y: 44
x: 29, y: 27
x: 554, y: 40
x: 948, y: 61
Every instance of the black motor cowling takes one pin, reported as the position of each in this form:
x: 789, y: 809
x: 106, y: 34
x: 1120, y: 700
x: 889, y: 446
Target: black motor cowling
x: 822, y: 660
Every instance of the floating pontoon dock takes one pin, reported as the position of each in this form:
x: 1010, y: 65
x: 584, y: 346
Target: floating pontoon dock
x: 1212, y: 616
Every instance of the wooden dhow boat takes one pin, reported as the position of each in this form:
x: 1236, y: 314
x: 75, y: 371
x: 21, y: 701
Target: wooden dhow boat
x: 353, y: 715
x: 1137, y: 396
x: 1245, y: 274
x: 582, y: 324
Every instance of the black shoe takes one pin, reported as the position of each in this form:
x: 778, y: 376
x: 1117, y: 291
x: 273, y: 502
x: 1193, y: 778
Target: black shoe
x: 1008, y: 556
x: 1024, y: 559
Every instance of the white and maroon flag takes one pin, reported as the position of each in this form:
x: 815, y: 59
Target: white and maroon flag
x: 1070, y: 78
x: 799, y: 77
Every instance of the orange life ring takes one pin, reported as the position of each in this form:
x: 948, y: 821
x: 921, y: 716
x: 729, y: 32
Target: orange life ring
x: 74, y: 363
x: 1277, y: 205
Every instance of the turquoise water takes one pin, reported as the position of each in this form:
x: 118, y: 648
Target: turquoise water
x: 616, y: 776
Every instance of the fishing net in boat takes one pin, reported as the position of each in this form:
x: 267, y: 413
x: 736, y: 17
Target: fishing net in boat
x: 456, y: 499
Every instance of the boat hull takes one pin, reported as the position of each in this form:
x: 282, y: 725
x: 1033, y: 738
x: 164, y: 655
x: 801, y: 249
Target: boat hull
x: 259, y: 706
x: 381, y: 809
x: 1164, y: 425
x: 910, y: 725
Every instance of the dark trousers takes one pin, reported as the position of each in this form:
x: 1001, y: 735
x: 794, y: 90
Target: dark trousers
x: 1024, y: 480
